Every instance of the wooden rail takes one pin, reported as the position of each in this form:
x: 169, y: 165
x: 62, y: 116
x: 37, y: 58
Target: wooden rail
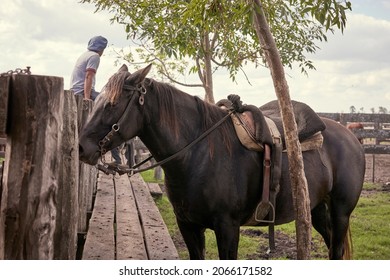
x: 376, y: 129
x: 126, y: 223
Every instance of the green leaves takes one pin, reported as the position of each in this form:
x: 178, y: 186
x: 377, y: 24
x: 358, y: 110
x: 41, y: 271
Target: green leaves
x: 177, y: 29
x: 328, y: 13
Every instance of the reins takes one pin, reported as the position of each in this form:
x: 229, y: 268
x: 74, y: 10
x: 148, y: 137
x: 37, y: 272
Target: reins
x: 112, y: 169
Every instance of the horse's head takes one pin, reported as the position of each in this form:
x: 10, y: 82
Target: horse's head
x: 117, y: 115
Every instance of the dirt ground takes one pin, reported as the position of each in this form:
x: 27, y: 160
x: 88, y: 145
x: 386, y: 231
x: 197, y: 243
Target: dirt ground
x: 381, y: 168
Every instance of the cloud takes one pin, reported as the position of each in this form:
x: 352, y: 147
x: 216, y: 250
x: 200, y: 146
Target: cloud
x: 352, y: 68
x: 50, y: 35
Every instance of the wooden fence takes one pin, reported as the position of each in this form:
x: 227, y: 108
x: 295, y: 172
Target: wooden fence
x: 374, y: 135
x: 375, y: 132
x: 46, y: 194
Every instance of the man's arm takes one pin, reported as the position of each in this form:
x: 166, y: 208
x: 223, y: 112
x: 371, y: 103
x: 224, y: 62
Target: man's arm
x: 88, y: 83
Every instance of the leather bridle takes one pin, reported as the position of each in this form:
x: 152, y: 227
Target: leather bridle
x: 103, y: 144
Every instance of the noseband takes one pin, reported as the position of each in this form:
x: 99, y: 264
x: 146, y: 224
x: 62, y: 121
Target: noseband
x: 117, y: 126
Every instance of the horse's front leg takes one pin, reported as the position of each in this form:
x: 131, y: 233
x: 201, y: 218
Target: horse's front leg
x: 193, y: 236
x: 228, y: 236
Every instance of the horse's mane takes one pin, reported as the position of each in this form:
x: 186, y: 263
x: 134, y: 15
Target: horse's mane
x: 168, y: 96
x: 114, y: 86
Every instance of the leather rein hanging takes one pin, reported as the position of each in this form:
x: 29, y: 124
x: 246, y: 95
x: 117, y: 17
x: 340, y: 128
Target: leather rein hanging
x: 112, y: 169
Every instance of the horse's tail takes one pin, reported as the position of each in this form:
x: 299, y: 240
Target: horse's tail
x: 348, y: 248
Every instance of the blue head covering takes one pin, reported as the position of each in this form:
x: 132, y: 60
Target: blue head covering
x: 97, y: 44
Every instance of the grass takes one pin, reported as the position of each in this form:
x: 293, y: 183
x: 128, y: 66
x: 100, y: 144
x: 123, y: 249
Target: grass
x: 370, y: 227
x: 148, y: 176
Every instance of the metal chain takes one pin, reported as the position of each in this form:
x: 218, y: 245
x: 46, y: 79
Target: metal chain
x: 17, y: 71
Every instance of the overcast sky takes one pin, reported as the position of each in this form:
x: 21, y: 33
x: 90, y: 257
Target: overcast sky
x: 352, y: 69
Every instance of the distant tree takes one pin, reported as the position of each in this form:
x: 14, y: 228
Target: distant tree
x: 382, y: 110
x: 372, y: 110
x: 352, y: 109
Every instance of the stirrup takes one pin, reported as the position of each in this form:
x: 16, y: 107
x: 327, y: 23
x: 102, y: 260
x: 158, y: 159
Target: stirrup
x: 261, y: 220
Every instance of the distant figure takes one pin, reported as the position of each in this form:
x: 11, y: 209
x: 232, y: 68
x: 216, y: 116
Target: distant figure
x: 355, y: 126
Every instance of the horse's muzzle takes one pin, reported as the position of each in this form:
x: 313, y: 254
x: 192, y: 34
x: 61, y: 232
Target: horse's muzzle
x: 89, y: 154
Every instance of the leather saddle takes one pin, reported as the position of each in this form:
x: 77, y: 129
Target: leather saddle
x: 258, y: 126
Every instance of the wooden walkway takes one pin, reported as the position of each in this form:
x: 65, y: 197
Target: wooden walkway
x: 126, y: 223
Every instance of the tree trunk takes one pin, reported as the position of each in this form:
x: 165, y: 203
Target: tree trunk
x: 208, y: 73
x: 297, y: 174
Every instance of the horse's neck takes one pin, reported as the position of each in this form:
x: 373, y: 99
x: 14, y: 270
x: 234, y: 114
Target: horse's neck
x: 164, y: 141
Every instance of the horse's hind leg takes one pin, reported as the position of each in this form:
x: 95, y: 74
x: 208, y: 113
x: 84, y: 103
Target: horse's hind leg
x: 333, y: 225
x: 194, y: 238
x: 340, y: 246
x: 344, y: 198
x: 320, y: 216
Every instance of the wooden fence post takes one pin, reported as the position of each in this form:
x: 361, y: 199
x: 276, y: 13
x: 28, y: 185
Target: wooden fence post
x: 87, y: 173
x: 4, y: 93
x: 65, y: 236
x: 31, y: 171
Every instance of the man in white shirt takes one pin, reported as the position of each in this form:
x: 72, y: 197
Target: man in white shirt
x: 82, y: 81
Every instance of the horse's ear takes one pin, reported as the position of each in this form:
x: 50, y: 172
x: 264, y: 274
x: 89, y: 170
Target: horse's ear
x: 140, y: 74
x: 123, y: 68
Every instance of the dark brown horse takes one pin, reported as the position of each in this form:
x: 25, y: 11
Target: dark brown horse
x: 217, y: 183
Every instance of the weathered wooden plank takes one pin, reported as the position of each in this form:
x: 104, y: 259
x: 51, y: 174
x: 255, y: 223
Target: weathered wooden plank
x: 155, y: 190
x: 360, y: 117
x: 377, y: 149
x: 372, y: 133
x: 159, y: 244
x: 345, y: 118
x: 100, y: 241
x: 82, y: 223
x: 65, y: 236
x: 129, y: 235
x: 31, y: 170
x: 332, y: 116
x: 4, y: 93
x: 87, y: 173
